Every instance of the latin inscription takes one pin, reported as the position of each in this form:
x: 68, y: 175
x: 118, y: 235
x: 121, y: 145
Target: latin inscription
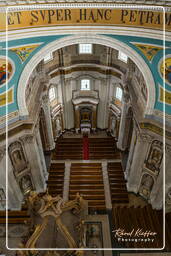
x: 122, y: 17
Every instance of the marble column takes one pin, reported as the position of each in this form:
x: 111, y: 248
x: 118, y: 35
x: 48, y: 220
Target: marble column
x: 66, y: 180
x: 46, y: 107
x: 34, y: 160
x: 131, y: 154
x: 142, y: 144
x: 123, y: 128
x: 77, y: 118
x: 108, y: 201
x: 94, y: 117
x: 42, y: 157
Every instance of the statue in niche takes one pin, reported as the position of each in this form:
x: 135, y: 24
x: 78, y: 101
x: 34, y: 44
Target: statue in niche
x: 26, y: 184
x: 146, y: 185
x: 155, y: 156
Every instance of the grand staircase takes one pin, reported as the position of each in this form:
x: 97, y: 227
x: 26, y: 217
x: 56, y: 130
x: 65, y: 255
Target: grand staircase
x: 117, y: 183
x: 56, y: 179
x: 87, y: 179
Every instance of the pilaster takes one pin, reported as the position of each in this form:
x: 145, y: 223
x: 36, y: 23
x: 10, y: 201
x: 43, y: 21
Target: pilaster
x: 122, y: 128
x: 34, y: 160
x: 108, y: 201
x: 46, y: 107
x: 140, y: 151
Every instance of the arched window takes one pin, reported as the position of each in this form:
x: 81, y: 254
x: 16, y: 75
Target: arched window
x: 119, y: 93
x: 52, y: 94
x: 123, y: 57
x: 85, y: 84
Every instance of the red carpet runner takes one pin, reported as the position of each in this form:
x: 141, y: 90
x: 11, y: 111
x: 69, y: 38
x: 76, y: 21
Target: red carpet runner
x: 85, y: 148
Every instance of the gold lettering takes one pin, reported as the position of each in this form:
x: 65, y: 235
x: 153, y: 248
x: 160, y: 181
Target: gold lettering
x: 132, y: 16
x: 123, y: 14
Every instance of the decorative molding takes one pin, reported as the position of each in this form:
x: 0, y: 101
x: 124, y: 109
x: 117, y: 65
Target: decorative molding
x: 27, y: 138
x: 146, y: 137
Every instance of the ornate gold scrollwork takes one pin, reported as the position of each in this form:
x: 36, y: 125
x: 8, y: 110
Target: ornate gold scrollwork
x: 45, y: 206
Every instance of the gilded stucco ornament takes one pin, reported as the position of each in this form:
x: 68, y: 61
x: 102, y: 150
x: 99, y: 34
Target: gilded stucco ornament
x: 47, y: 206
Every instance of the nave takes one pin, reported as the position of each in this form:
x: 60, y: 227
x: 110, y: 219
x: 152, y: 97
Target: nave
x: 100, y: 181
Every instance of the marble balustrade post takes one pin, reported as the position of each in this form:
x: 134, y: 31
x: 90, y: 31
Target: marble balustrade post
x: 108, y: 201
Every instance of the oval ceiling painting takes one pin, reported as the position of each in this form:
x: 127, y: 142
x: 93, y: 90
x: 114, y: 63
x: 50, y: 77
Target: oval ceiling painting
x: 6, y: 70
x: 167, y: 69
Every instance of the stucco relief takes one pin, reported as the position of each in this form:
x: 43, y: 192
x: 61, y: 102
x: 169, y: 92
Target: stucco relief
x: 155, y: 156
x: 17, y: 156
x: 26, y: 184
x: 146, y: 185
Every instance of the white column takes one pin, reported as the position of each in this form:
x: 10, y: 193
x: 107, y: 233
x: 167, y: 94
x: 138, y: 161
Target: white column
x: 122, y: 128
x: 140, y: 152
x: 34, y: 160
x: 108, y: 201
x: 42, y: 158
x: 46, y: 107
x: 66, y: 180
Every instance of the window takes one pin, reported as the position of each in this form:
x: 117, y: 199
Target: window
x: 119, y: 93
x: 48, y: 57
x: 85, y: 48
x: 52, y: 93
x: 122, y: 56
x: 85, y: 84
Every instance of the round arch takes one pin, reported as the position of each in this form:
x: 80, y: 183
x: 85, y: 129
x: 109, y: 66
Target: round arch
x: 86, y: 38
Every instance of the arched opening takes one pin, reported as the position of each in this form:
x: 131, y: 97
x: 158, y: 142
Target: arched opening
x: 96, y: 39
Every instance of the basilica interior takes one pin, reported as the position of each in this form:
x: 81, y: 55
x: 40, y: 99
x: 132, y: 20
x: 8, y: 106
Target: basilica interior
x: 85, y: 139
